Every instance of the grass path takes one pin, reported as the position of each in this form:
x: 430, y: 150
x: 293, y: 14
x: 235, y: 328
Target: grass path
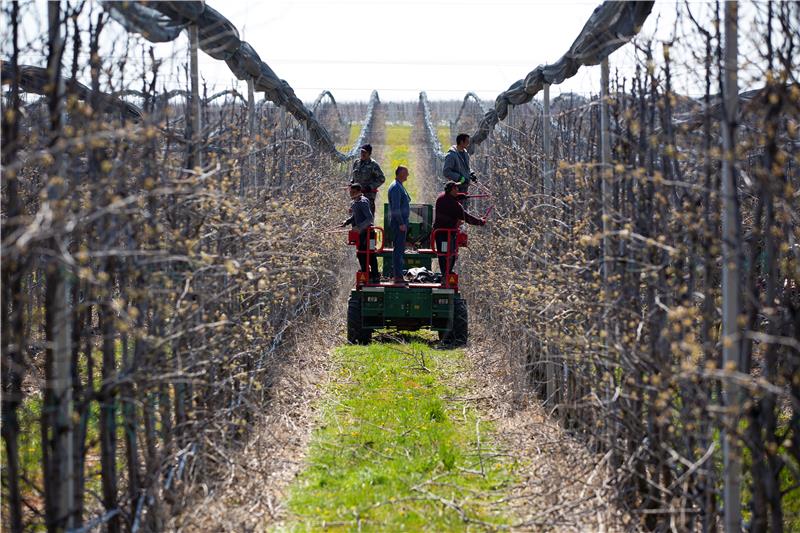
x: 443, y: 132
x: 399, y: 447
x: 398, y: 152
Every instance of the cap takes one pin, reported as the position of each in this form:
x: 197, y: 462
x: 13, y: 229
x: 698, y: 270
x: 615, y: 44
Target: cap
x: 449, y: 185
x: 367, y: 147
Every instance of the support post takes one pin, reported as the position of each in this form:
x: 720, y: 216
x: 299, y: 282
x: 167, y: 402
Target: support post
x: 605, y: 170
x: 549, y: 368
x: 194, y: 41
x: 606, y: 175
x: 548, y: 165
x: 731, y: 278
x: 251, y: 122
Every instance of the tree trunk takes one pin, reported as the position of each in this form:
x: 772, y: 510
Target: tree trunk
x: 731, y: 278
x: 13, y: 364
x: 57, y: 411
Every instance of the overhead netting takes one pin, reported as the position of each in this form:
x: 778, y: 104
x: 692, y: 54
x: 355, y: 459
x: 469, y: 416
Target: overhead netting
x: 219, y: 38
x: 611, y: 25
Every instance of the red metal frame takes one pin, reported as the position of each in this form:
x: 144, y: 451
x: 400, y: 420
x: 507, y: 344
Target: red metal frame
x: 362, y: 277
x: 449, y: 279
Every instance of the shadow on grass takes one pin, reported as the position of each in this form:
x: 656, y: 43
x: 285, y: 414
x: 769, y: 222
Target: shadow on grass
x: 406, y: 337
x: 430, y: 338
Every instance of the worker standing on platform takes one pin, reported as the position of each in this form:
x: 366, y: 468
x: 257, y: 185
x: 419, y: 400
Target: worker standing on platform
x: 361, y: 219
x: 449, y: 214
x: 399, y: 210
x: 456, y: 164
x: 367, y: 173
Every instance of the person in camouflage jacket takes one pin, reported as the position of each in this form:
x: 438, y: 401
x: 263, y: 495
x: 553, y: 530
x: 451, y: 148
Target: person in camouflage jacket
x: 368, y: 174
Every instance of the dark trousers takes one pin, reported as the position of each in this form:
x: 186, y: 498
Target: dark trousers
x: 363, y: 246
x: 371, y: 197
x: 399, y: 254
x: 440, y: 239
x: 464, y: 201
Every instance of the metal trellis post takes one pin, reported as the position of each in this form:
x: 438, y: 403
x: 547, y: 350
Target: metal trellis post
x: 194, y: 41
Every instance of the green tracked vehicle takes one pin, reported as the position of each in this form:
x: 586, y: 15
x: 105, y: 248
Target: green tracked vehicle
x: 434, y: 304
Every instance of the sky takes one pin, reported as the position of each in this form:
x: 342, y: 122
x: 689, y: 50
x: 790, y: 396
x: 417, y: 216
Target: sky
x: 402, y: 47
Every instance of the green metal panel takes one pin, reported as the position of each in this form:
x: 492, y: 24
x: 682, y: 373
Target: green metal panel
x: 420, y: 223
x: 408, y: 307
x: 412, y: 260
x: 372, y: 302
x: 407, y: 302
x: 442, y: 309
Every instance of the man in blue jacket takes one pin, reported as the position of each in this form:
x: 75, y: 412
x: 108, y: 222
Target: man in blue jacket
x: 361, y: 219
x: 399, y: 209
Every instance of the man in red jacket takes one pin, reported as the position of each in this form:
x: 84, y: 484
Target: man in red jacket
x: 449, y: 214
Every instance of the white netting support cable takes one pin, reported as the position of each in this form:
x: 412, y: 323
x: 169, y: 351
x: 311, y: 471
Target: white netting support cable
x: 430, y: 130
x: 474, y: 97
x: 35, y: 80
x: 326, y: 93
x: 467, y: 97
x: 366, y: 126
x: 483, y: 109
x: 219, y: 38
x: 611, y: 25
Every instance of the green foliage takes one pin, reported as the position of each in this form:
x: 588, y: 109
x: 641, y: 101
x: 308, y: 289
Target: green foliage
x: 355, y: 129
x: 443, y: 132
x: 398, y: 152
x: 393, y: 446
x: 791, y: 499
x: 398, y: 144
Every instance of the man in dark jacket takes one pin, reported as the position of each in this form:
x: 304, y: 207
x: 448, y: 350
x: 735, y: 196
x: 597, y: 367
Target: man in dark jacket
x: 456, y: 164
x: 367, y: 173
x: 361, y: 219
x: 449, y: 214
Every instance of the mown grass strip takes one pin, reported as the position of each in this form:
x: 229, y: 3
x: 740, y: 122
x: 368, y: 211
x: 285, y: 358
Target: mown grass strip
x: 397, y: 450
x: 398, y: 152
x: 443, y: 132
x: 398, y: 144
x: 355, y: 130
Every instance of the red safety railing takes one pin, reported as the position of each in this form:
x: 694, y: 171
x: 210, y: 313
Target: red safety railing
x: 449, y: 279
x: 353, y: 238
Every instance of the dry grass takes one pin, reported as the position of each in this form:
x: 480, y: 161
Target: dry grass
x: 565, y: 486
x: 249, y: 495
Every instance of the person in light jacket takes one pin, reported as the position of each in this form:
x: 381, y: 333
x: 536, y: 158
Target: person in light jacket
x: 399, y: 210
x: 361, y: 218
x: 456, y: 164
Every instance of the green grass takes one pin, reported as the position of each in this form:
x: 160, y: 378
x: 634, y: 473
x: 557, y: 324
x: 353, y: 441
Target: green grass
x: 398, y: 152
x: 790, y: 502
x: 443, y: 132
x: 355, y: 129
x: 396, y: 450
x: 29, y: 443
